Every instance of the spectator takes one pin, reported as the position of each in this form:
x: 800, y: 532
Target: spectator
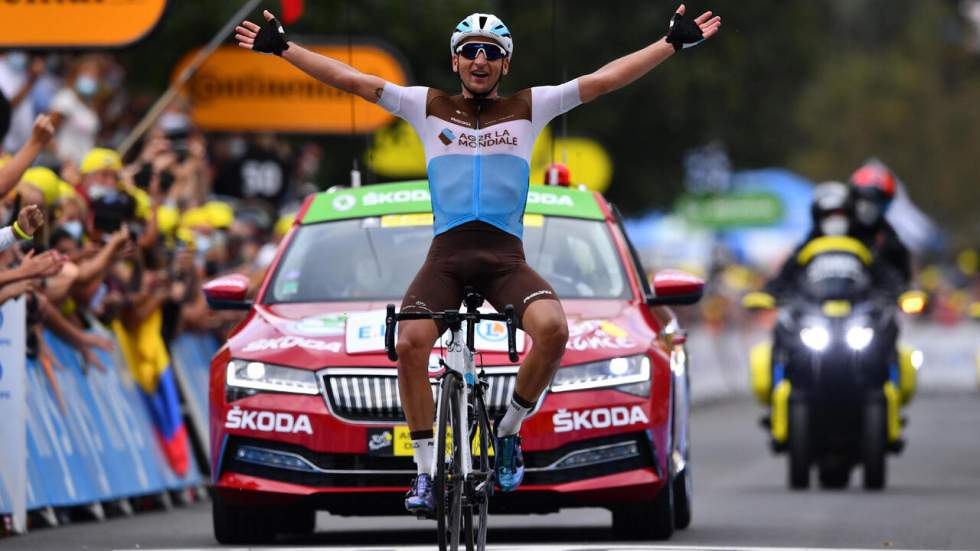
x: 28, y: 221
x: 18, y: 73
x: 13, y: 168
x: 77, y: 121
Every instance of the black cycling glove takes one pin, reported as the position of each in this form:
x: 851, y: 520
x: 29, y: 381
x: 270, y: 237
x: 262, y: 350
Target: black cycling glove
x: 683, y: 32
x: 271, y: 38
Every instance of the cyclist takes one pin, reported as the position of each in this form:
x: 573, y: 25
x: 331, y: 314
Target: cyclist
x: 478, y: 147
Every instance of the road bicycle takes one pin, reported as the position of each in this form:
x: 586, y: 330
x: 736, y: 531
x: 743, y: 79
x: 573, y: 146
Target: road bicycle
x: 464, y: 477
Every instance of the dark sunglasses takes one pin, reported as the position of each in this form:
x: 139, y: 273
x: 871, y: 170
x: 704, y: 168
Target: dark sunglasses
x: 472, y: 49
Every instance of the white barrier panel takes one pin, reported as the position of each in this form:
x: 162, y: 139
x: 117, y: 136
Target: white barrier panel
x: 720, y: 361
x: 13, y: 405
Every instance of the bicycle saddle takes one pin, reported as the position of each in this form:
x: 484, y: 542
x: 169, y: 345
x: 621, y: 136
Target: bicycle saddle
x: 472, y: 298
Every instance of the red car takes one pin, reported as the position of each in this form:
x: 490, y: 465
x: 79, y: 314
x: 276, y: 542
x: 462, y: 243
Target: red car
x: 304, y: 406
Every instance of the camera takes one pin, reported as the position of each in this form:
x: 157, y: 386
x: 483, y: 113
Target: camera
x: 179, y: 143
x: 111, y: 210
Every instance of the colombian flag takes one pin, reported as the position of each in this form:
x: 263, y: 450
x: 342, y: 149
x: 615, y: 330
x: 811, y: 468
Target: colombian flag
x: 148, y: 361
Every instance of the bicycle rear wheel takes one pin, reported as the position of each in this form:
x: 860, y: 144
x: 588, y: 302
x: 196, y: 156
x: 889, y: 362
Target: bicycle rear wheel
x: 449, y: 481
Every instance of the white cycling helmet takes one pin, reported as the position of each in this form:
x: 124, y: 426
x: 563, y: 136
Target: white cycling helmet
x: 484, y: 25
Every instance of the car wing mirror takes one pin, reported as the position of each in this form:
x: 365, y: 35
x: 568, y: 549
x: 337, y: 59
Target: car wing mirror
x: 675, y: 288
x: 227, y: 293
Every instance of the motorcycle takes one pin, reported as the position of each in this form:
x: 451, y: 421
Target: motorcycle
x: 833, y: 378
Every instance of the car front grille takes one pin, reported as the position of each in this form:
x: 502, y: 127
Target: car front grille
x: 371, y: 394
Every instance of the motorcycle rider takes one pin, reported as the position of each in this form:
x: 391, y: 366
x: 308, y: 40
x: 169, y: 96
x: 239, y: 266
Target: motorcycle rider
x: 874, y: 187
x: 832, y: 212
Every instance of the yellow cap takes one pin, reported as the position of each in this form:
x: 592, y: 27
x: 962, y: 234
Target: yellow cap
x: 101, y: 158
x: 284, y: 223
x: 186, y: 235
x: 167, y: 218
x: 43, y: 179
x: 66, y: 190
x: 220, y: 215
x: 195, y: 217
x: 142, y: 200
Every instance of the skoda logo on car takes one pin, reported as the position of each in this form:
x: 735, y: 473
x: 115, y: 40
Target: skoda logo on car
x: 344, y: 202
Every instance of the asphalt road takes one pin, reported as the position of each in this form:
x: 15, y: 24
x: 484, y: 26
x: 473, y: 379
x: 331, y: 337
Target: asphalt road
x: 741, y: 500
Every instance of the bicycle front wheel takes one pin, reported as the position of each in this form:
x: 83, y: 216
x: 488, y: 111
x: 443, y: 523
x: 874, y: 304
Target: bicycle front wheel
x: 482, y: 485
x: 449, y: 479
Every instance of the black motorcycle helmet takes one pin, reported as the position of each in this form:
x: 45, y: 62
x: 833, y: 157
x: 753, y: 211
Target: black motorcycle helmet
x: 832, y: 209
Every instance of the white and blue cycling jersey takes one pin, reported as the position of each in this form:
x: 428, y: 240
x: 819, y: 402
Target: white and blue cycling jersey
x: 478, y: 152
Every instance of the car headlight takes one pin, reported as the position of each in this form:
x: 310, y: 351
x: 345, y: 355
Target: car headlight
x: 276, y: 378
x: 858, y: 337
x: 815, y: 337
x: 631, y: 370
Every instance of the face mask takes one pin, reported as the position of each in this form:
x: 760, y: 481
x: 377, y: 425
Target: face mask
x: 201, y: 244
x: 74, y: 229
x: 86, y: 86
x: 867, y: 212
x: 836, y: 224
x: 95, y: 191
x: 17, y: 61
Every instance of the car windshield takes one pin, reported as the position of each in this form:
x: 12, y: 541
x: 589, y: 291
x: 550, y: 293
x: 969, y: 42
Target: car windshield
x: 376, y: 258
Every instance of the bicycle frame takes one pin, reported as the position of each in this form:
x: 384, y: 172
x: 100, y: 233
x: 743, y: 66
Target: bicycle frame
x: 459, y: 363
x: 459, y: 354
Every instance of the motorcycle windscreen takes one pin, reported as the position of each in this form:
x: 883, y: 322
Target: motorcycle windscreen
x: 836, y: 276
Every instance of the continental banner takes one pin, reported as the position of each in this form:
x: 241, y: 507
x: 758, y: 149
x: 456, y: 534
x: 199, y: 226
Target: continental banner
x: 240, y: 90
x: 77, y: 23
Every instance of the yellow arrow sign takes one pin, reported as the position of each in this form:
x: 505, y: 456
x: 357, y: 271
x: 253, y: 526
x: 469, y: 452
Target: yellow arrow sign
x: 77, y: 24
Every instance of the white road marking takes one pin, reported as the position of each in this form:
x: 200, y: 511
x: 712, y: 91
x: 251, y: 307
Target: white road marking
x: 552, y: 547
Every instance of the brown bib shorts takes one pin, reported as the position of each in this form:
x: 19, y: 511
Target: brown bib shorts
x: 482, y: 256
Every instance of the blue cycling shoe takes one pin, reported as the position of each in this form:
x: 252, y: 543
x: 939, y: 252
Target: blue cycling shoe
x: 509, y: 466
x: 420, y: 500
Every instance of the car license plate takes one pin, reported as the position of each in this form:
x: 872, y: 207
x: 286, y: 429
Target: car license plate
x: 397, y: 441
x: 389, y: 441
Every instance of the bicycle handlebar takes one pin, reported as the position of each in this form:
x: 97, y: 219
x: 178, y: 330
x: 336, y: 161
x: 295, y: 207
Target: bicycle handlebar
x: 453, y: 318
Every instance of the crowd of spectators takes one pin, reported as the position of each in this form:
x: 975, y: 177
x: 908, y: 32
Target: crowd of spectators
x: 93, y: 237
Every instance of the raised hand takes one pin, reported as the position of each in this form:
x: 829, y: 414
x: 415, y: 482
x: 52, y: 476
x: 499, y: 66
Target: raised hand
x: 43, y: 129
x: 269, y: 39
x: 30, y: 219
x: 685, y: 32
x: 45, y: 264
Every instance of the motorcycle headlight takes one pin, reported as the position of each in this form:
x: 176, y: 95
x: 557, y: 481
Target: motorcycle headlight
x: 633, y: 371
x: 815, y: 337
x: 858, y: 337
x: 275, y: 378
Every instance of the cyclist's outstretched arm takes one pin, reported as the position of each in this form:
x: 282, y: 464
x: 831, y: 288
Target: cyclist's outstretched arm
x: 272, y: 39
x: 683, y: 32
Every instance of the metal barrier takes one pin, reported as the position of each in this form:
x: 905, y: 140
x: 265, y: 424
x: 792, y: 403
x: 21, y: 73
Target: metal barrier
x: 90, y: 436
